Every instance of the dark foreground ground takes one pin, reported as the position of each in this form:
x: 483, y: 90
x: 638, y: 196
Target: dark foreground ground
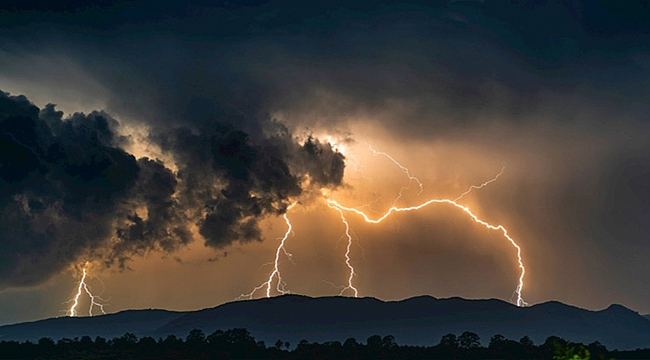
x: 240, y: 344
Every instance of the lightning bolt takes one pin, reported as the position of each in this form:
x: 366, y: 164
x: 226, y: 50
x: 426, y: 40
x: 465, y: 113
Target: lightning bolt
x: 476, y: 187
x: 404, y: 169
x: 335, y: 205
x: 466, y: 210
x: 348, y: 261
x: 83, y: 287
x: 350, y: 286
x: 281, y: 285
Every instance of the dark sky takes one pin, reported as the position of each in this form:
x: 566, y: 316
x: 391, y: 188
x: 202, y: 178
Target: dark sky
x: 164, y: 142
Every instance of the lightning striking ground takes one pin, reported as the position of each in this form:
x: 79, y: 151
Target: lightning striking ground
x: 83, y: 287
x: 394, y: 209
x: 281, y: 285
x: 350, y: 285
x: 348, y: 261
x: 335, y: 205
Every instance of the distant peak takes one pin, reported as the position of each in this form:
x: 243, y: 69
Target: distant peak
x: 429, y: 297
x: 555, y: 304
x: 618, y: 308
x: 415, y: 298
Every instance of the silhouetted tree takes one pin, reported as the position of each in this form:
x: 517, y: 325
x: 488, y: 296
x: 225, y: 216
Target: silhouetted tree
x: 388, y: 342
x: 351, y: 348
x: 449, y: 341
x: 172, y: 341
x: 148, y: 347
x: 171, y: 347
x: 597, y: 350
x: 468, y: 340
x: 216, y: 338
x: 350, y: 343
x: 497, y: 345
x: 549, y: 344
x: 236, y: 343
x: 86, y: 342
x: 126, y: 340
x: 304, y: 350
x: 374, y: 347
x: 195, y: 342
x: 46, y: 344
x: 239, y: 336
x: 448, y: 346
x: 125, y: 345
x: 569, y: 351
x: 45, y: 347
x: 497, y: 341
x: 195, y: 337
x: 374, y: 342
x: 100, y: 343
x: 526, y: 342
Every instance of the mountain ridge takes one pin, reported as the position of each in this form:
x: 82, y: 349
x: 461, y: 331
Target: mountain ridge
x: 419, y: 320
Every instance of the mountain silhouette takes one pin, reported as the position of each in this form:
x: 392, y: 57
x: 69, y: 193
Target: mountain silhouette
x: 419, y: 320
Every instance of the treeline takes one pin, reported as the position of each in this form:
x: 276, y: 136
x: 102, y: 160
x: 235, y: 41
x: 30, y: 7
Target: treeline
x: 240, y: 344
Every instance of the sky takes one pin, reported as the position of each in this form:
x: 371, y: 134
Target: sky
x: 161, y: 145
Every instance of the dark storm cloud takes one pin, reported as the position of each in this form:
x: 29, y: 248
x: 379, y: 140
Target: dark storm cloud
x: 70, y: 191
x: 98, y: 174
x: 164, y: 226
x: 257, y: 177
x: 461, y: 61
x: 62, y: 185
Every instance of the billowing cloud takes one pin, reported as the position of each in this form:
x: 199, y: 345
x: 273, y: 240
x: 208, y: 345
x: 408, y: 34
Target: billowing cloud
x: 244, y: 178
x: 63, y: 184
x: 69, y: 189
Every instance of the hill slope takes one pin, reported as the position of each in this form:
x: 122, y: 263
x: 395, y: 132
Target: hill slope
x: 108, y: 326
x: 417, y: 321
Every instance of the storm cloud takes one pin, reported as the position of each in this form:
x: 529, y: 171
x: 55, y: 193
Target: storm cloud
x: 63, y: 183
x: 71, y: 192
